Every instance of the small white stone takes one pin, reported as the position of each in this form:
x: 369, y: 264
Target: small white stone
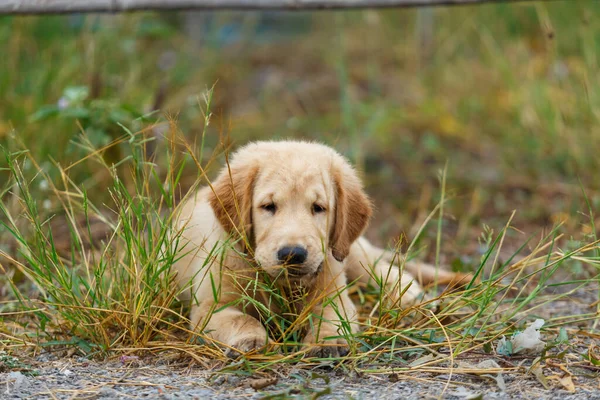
x: 17, y: 378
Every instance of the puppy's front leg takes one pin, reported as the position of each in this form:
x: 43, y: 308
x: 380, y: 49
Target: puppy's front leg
x: 333, y: 313
x: 240, y: 332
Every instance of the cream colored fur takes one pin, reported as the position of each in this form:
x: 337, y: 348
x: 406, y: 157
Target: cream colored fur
x: 274, y: 194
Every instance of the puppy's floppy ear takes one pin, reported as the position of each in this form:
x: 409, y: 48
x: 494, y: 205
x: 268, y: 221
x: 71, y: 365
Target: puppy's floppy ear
x: 352, y: 211
x: 231, y: 199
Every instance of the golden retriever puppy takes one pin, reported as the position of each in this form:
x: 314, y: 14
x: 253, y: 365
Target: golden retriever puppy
x: 284, y: 215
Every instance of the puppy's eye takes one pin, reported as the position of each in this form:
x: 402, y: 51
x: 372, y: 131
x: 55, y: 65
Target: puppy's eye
x: 316, y: 208
x: 270, y: 207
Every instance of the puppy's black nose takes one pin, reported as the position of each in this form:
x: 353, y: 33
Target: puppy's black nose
x: 292, y: 255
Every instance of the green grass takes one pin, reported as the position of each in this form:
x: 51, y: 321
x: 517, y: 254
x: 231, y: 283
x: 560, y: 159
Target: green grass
x: 119, y: 295
x: 502, y: 107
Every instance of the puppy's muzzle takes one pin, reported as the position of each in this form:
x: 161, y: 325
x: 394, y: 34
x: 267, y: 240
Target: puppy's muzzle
x: 293, y: 257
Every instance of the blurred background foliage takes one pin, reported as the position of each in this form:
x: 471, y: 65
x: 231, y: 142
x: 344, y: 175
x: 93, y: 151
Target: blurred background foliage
x: 505, y: 95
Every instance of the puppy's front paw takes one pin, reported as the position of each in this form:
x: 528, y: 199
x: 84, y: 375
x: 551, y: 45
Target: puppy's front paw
x: 245, y: 345
x: 326, y: 348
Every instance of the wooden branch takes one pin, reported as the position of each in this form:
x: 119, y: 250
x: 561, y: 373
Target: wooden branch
x: 85, y: 6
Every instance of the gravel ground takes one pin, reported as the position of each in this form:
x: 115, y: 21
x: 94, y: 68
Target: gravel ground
x: 60, y: 376
x: 84, y: 379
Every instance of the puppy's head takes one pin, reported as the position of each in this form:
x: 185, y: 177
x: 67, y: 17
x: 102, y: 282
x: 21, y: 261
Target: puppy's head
x: 292, y: 203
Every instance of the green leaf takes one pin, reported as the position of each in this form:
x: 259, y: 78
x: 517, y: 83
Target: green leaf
x: 563, y: 337
x: 75, y: 113
x: 44, y: 112
x: 76, y: 94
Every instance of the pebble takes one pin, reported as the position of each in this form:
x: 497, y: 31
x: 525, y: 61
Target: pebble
x: 113, y: 381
